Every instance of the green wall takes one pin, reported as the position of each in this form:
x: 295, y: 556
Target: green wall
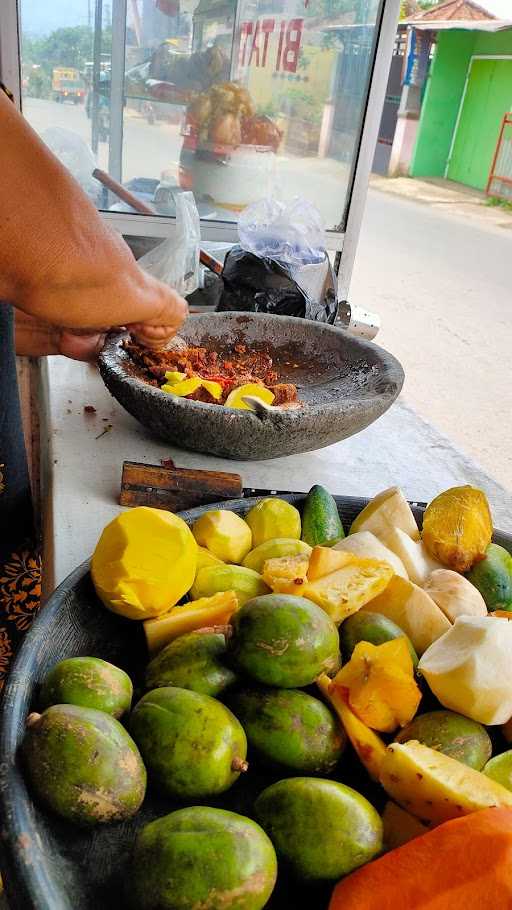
x: 441, y: 101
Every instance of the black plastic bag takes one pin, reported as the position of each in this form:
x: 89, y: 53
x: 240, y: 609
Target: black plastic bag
x: 257, y: 284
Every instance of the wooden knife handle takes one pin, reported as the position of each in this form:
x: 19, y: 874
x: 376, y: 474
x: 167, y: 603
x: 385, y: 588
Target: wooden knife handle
x: 175, y: 489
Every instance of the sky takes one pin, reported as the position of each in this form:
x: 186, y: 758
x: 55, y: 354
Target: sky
x: 500, y: 8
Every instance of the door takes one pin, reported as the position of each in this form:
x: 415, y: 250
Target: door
x: 488, y: 96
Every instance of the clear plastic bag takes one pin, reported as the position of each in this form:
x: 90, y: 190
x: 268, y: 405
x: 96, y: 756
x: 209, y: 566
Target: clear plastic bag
x: 288, y: 232
x: 74, y: 153
x: 175, y: 261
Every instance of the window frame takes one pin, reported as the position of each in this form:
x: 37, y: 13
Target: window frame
x: 343, y: 242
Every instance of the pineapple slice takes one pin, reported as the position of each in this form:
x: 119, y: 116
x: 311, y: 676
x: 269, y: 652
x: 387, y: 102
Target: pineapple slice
x: 413, y: 611
x: 345, y: 591
x: 433, y: 786
x: 369, y: 747
x: 286, y: 574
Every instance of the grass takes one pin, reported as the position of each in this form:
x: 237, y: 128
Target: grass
x: 495, y: 201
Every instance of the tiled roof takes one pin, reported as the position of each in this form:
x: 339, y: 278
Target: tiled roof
x: 453, y: 9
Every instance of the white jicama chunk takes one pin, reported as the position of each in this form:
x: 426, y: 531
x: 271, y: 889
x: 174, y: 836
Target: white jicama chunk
x: 470, y: 668
x: 364, y: 543
x: 412, y: 610
x: 454, y: 594
x: 414, y: 555
x: 385, y: 512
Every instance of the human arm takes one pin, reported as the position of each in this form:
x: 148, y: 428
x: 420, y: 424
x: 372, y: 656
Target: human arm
x: 59, y: 262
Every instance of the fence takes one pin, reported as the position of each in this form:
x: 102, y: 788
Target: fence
x: 499, y: 183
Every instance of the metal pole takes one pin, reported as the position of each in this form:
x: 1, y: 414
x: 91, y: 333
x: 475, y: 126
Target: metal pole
x: 10, y: 45
x: 96, y: 71
x: 115, y: 152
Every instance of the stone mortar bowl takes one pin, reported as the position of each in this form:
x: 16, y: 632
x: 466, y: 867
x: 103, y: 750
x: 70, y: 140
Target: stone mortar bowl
x: 345, y: 383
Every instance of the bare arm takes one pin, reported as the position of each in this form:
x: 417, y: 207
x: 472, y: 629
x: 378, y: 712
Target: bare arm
x: 59, y: 262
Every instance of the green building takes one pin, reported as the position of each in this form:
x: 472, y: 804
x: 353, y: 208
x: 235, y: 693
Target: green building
x: 467, y: 93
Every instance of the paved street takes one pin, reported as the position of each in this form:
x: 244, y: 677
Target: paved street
x: 443, y: 289
x: 440, y: 283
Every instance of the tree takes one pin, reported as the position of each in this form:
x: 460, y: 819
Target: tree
x: 71, y: 47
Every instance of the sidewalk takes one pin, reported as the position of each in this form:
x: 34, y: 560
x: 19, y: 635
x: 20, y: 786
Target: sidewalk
x: 451, y: 197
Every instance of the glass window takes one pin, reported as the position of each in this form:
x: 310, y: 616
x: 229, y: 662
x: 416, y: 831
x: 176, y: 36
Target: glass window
x: 232, y: 100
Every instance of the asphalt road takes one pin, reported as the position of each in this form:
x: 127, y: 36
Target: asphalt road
x: 441, y: 286
x: 443, y: 290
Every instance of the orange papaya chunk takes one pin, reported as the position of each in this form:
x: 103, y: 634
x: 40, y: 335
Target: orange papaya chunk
x: 370, y: 748
x: 325, y: 560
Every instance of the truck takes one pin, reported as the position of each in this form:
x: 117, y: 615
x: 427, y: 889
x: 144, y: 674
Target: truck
x: 68, y: 85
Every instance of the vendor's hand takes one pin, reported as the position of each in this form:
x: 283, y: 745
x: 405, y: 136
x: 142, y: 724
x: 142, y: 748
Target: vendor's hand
x: 38, y: 339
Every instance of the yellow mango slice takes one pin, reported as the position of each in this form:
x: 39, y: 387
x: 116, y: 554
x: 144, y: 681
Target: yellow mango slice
x: 413, y: 611
x: 173, y: 376
x: 235, y: 398
x: 369, y: 747
x: 324, y: 560
x: 399, y: 826
x: 214, y: 388
x: 182, y: 389
x: 286, y: 574
x: 345, y: 591
x: 207, y: 611
x: 224, y: 534
x: 205, y: 558
x: 457, y: 527
x: 380, y: 686
x: 144, y: 562
x: 433, y: 786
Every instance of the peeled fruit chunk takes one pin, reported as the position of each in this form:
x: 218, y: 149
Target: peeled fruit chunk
x: 205, y: 558
x: 287, y: 574
x: 324, y: 560
x: 321, y: 521
x: 399, y: 826
x: 215, y: 579
x: 235, y: 398
x: 413, y: 554
x: 321, y: 829
x: 144, y: 562
x: 380, y: 686
x: 454, y: 594
x: 435, y: 787
x: 173, y: 376
x: 193, y: 747
x: 413, y: 611
x: 89, y: 682
x: 347, y: 590
x: 492, y: 576
x: 271, y: 518
x: 470, y: 668
x: 373, y: 627
x: 274, y: 549
x: 204, y: 858
x: 285, y: 641
x: 369, y: 747
x: 289, y: 729
x: 499, y: 769
x: 385, y: 512
x: 461, y: 865
x: 183, y: 388
x: 196, y: 614
x: 457, y: 527
x: 224, y: 534
x: 452, y: 734
x: 195, y: 661
x: 83, y: 765
x: 366, y: 544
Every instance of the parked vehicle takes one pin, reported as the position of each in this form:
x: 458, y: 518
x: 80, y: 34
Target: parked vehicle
x: 67, y: 85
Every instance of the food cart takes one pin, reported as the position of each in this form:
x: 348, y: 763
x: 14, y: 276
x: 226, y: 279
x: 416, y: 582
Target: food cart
x: 292, y: 72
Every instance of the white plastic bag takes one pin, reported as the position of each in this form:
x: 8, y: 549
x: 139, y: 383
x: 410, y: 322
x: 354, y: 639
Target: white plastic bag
x: 175, y: 261
x: 288, y: 232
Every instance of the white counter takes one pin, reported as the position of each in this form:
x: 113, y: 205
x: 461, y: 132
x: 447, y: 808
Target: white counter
x: 82, y: 469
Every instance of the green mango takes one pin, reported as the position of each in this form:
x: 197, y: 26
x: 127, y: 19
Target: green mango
x: 374, y: 628
x: 202, y: 858
x: 289, y: 729
x: 452, y: 734
x: 282, y: 640
x: 492, y: 576
x: 82, y: 764
x: 499, y: 769
x: 194, y: 661
x: 321, y: 829
x: 321, y: 522
x: 193, y: 746
x: 89, y: 682
x: 273, y: 549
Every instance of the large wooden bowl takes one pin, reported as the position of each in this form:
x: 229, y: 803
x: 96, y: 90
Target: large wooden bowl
x: 49, y: 864
x: 345, y: 383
